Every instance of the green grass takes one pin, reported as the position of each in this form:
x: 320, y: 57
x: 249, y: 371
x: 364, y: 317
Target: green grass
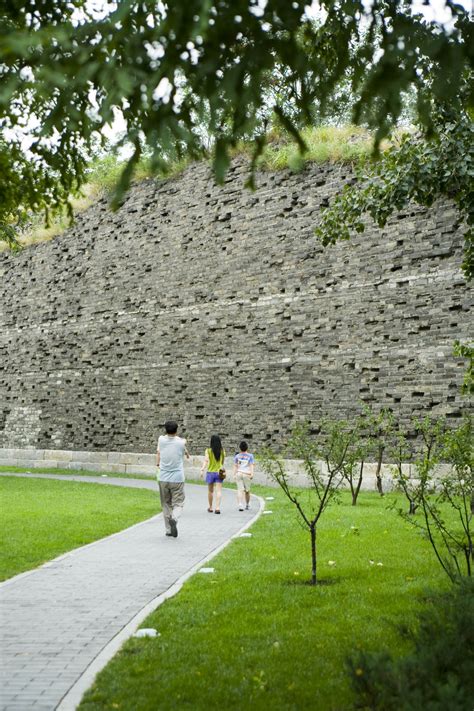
x: 43, y: 518
x: 72, y: 472
x: 92, y: 473
x: 105, y: 172
x: 255, y: 635
x: 325, y: 144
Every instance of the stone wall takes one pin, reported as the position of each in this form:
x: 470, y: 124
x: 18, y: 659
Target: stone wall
x: 216, y: 306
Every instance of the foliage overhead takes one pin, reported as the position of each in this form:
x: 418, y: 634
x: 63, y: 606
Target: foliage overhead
x: 232, y: 64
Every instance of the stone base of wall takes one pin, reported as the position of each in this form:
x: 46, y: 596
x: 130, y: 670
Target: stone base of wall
x: 104, y: 462
x: 144, y: 464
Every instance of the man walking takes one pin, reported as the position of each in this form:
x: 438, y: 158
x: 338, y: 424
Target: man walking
x: 170, y: 453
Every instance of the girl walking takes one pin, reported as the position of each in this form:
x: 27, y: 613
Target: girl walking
x: 213, y: 462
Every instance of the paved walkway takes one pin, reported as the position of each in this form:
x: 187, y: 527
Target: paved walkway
x: 63, y: 621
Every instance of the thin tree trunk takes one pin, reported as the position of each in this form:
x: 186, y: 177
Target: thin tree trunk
x: 469, y: 556
x: 355, y: 492
x: 378, y: 476
x: 313, y: 554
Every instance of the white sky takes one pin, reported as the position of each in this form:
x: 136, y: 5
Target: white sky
x: 435, y: 11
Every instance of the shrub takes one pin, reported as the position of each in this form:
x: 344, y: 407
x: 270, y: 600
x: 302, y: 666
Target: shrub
x: 438, y: 674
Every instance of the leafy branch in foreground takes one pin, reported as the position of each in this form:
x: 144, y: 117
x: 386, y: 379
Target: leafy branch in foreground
x: 40, y: 188
x: 68, y: 71
x: 465, y: 350
x: 420, y: 169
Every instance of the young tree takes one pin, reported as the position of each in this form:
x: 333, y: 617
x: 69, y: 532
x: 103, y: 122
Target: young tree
x: 418, y: 482
x: 446, y: 502
x: 380, y: 427
x: 459, y: 452
x: 401, y: 455
x: 357, y: 443
x: 323, y: 488
x: 452, y: 538
x: 353, y: 465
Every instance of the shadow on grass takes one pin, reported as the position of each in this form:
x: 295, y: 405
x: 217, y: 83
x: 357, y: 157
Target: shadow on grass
x: 298, y: 582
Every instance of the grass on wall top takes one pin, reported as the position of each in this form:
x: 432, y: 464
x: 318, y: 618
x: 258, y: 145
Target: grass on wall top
x: 345, y: 144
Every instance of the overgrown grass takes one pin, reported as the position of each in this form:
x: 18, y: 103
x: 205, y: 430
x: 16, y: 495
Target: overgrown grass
x: 255, y: 635
x: 325, y: 144
x: 105, y: 172
x: 42, y: 519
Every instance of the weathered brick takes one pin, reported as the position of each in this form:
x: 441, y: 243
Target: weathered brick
x: 217, y: 307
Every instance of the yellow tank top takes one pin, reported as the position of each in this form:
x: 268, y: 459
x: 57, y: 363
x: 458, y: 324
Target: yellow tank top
x: 214, y: 465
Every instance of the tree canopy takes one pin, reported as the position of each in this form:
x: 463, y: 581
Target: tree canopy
x: 225, y: 67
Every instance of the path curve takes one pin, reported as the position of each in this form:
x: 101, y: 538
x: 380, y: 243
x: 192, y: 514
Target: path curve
x: 62, y: 622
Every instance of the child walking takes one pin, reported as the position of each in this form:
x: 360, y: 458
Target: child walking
x: 243, y: 474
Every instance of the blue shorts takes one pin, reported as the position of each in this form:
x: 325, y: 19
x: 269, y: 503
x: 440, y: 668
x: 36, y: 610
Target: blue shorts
x: 213, y: 478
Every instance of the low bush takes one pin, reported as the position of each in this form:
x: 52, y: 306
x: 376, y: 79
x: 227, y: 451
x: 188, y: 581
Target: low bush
x: 438, y: 674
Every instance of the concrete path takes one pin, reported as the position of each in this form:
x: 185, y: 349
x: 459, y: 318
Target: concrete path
x: 62, y: 622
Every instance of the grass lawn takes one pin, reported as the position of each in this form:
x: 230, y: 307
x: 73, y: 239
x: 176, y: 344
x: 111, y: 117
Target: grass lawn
x: 43, y: 518
x: 72, y: 472
x: 92, y: 473
x: 254, y: 635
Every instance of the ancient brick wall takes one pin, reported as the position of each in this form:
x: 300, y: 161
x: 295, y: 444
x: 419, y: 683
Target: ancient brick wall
x: 216, y: 306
